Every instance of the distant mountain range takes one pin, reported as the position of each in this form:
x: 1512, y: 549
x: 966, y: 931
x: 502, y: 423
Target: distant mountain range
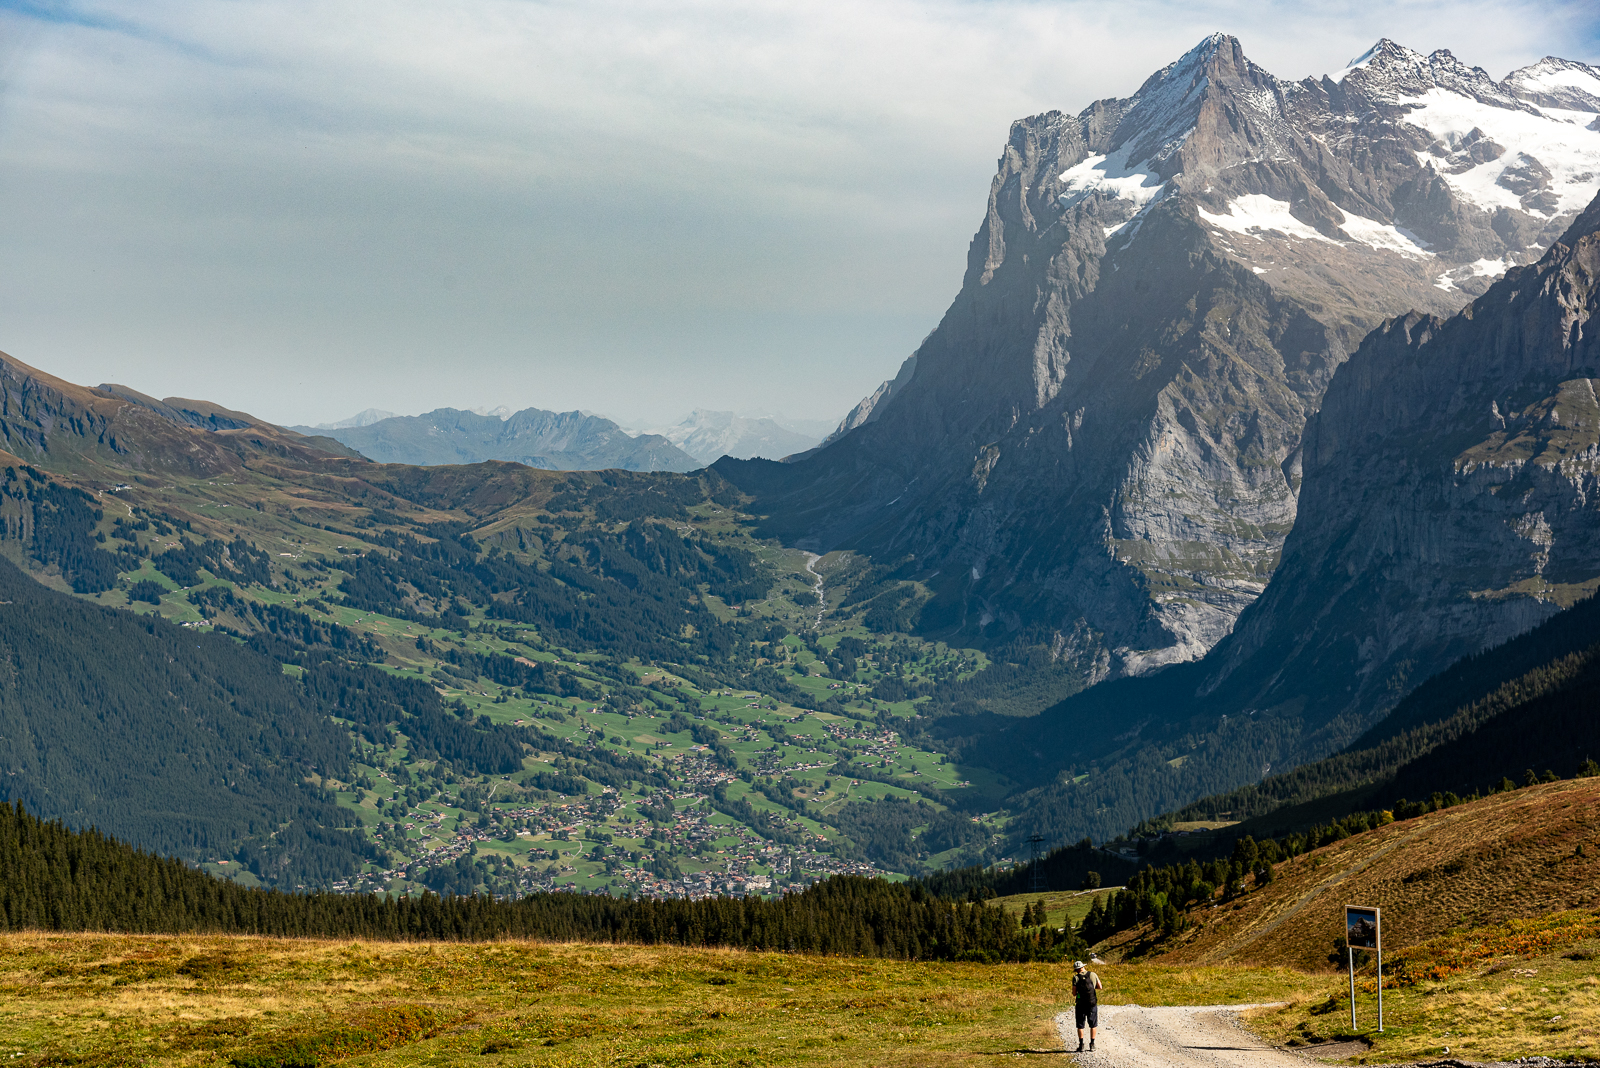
x: 365, y: 418
x: 556, y: 441
x: 563, y: 441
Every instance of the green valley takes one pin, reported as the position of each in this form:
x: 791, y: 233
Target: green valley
x: 588, y: 681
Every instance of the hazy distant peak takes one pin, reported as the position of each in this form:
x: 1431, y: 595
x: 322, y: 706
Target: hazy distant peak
x: 366, y: 418
x: 502, y: 412
x: 707, y: 435
x: 706, y: 417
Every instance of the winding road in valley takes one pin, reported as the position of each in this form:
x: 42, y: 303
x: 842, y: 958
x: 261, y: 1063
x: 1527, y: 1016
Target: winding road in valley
x: 822, y: 600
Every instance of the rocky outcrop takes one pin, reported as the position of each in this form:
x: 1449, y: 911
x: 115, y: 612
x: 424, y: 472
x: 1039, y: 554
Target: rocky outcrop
x: 1101, y: 443
x: 872, y: 405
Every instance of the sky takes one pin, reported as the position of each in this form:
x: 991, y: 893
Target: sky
x: 306, y: 208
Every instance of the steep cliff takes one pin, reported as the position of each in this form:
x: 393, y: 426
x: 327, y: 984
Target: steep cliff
x: 1100, y: 443
x: 1449, y: 499
x: 1449, y: 502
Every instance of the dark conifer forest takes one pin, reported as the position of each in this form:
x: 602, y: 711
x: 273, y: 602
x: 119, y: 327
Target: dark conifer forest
x: 53, y: 878
x: 186, y: 741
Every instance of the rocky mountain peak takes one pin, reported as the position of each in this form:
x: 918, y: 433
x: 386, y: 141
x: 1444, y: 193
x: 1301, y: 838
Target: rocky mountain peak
x: 1557, y: 83
x: 1102, y: 438
x: 1390, y: 72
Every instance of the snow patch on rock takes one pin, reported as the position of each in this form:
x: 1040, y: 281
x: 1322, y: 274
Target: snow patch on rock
x: 1554, y: 169
x: 1255, y: 212
x: 1134, y: 183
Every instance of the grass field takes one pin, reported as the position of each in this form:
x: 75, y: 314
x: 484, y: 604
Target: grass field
x: 257, y: 1003
x: 1524, y: 987
x: 1060, y: 907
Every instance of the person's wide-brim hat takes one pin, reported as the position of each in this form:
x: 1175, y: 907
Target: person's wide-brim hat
x: 1078, y: 966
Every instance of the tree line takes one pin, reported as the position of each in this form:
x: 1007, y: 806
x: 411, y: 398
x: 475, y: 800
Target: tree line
x: 54, y: 878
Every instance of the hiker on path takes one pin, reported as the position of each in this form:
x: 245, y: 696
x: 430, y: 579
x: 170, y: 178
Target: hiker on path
x: 1084, y: 985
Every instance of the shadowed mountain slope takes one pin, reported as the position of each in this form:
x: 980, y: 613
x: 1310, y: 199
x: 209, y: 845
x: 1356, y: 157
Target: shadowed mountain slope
x: 185, y: 742
x: 1448, y: 504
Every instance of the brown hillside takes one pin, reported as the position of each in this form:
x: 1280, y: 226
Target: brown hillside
x: 1506, y: 856
x: 98, y: 433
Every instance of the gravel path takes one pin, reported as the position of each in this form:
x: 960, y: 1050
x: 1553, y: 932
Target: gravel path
x: 1191, y: 1036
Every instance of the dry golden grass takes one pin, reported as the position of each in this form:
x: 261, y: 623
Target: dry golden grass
x: 1518, y: 989
x: 210, y: 1001
x: 109, y: 1000
x: 263, y: 1003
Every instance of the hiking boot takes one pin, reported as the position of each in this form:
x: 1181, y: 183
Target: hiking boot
x: 1091, y: 1045
x: 1080, y: 1045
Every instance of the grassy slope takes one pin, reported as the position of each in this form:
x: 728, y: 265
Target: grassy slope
x: 1061, y: 907
x: 1493, y: 993
x: 1505, y: 856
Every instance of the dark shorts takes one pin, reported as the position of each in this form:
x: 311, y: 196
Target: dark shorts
x: 1089, y: 1014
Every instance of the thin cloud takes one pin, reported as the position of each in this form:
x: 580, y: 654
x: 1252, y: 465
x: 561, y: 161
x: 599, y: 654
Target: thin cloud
x: 639, y: 207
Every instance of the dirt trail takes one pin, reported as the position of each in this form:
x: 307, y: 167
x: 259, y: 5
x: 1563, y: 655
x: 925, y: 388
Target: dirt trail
x: 1190, y: 1036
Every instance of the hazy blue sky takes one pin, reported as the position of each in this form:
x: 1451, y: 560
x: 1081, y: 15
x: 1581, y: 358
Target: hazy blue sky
x: 303, y: 209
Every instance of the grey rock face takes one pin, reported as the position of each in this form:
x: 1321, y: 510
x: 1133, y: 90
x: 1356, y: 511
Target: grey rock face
x: 1450, y: 497
x: 558, y: 441
x: 872, y: 405
x: 1102, y: 437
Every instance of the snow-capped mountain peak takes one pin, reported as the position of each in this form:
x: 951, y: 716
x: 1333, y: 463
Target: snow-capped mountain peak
x: 1161, y: 290
x: 1529, y: 144
x: 1171, y: 104
x: 1210, y: 85
x: 1557, y: 83
x: 1360, y: 61
x: 1391, y: 73
x: 708, y: 435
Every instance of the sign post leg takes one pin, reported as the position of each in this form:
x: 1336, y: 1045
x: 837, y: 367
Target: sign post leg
x: 1380, y: 989
x: 1352, y: 951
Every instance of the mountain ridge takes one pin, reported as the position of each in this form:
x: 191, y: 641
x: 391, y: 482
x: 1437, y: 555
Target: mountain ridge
x: 556, y: 441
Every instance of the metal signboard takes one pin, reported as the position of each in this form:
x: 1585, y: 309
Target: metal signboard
x: 1363, y: 929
